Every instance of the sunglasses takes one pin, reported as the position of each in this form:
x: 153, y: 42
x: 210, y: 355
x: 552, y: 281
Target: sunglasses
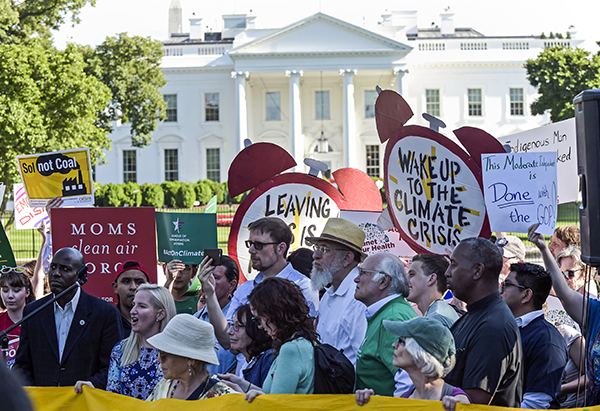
x: 257, y: 244
x: 162, y: 355
x: 401, y: 341
x: 570, y: 274
x: 257, y: 319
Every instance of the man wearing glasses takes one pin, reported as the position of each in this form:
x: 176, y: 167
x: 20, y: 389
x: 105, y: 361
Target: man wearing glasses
x: 268, y: 244
x: 544, y: 350
x: 488, y: 343
x: 337, y: 252
x: 381, y: 285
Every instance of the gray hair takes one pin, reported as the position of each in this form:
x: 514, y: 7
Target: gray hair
x: 482, y: 251
x: 427, y: 363
x: 574, y: 253
x: 391, y: 265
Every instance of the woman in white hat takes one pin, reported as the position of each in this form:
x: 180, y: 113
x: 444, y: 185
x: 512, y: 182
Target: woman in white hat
x: 425, y: 350
x: 185, y: 347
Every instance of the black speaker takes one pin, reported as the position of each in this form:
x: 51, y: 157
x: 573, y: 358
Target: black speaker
x: 587, y: 123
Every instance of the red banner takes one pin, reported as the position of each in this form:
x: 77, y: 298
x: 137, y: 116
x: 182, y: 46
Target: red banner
x: 107, y: 237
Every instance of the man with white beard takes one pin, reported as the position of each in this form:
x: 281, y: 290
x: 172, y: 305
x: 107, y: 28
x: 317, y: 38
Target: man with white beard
x: 337, y: 252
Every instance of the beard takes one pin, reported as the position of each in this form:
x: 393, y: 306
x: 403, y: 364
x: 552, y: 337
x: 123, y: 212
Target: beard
x: 322, y: 277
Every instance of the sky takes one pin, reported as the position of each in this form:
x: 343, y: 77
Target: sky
x: 492, y: 18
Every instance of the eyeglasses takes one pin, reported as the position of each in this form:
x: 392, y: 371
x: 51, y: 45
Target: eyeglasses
x: 324, y: 249
x: 236, y: 326
x: 257, y: 244
x: 570, y: 274
x: 505, y: 283
x: 401, y: 341
x: 362, y: 271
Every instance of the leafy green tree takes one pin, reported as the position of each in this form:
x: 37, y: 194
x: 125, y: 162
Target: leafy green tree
x: 114, y: 195
x: 203, y: 192
x: 132, y: 194
x: 186, y: 196
x: 47, y: 102
x: 130, y: 67
x: 560, y: 73
x: 170, y: 189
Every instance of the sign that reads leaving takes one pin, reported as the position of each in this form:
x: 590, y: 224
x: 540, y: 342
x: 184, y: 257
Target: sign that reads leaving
x: 184, y: 236
x: 435, y: 198
x: 65, y: 174
x: 107, y: 237
x: 520, y: 190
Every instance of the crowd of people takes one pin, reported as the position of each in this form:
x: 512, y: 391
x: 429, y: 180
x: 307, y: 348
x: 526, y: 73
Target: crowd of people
x: 497, y: 340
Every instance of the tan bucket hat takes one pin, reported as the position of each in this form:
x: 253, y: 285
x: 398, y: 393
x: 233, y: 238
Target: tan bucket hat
x: 189, y: 337
x: 342, y: 232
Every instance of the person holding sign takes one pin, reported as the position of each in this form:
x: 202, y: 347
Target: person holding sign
x: 573, y: 302
x: 179, y: 278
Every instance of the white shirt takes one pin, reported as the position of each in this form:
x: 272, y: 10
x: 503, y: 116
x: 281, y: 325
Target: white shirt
x: 524, y: 320
x: 373, y: 308
x: 63, y: 317
x: 342, y: 322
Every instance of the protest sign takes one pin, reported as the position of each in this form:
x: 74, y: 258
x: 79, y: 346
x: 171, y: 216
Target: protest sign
x: 376, y: 239
x: 184, y: 236
x: 66, y: 174
x: 107, y: 237
x: 432, y: 189
x: 7, y: 257
x: 304, y: 202
x: 560, y: 137
x: 520, y: 190
x: 27, y: 217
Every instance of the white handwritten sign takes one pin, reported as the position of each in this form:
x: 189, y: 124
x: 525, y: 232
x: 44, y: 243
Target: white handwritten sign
x: 560, y: 137
x: 520, y: 189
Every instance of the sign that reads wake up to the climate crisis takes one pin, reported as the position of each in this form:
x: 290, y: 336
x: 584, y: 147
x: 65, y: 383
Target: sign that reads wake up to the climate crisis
x: 433, y: 193
x: 65, y: 174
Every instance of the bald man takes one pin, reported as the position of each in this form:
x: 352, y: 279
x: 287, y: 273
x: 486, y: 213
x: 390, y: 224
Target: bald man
x: 70, y: 340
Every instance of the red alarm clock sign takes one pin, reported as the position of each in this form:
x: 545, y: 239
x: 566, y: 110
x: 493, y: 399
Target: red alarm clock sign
x: 433, y: 190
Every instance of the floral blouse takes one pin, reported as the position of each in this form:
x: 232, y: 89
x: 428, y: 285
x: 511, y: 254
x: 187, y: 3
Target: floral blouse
x: 135, y: 380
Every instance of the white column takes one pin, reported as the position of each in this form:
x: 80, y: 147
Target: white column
x: 241, y: 108
x: 349, y: 125
x: 400, y: 86
x: 296, y: 137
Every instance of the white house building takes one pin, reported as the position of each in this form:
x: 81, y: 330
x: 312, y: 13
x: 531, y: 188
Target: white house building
x: 310, y: 87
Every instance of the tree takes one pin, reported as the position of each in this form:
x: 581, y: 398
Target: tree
x: 130, y: 67
x: 47, y: 102
x: 560, y: 73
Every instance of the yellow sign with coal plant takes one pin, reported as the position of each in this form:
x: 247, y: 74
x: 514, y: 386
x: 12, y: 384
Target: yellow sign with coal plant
x: 66, y: 174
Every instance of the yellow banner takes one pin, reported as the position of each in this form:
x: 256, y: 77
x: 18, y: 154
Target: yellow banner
x: 65, y: 399
x: 59, y: 174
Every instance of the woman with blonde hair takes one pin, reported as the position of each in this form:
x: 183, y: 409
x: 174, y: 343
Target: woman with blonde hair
x: 134, y: 369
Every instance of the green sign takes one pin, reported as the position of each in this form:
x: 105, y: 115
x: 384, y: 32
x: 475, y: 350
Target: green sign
x: 184, y: 236
x: 7, y: 257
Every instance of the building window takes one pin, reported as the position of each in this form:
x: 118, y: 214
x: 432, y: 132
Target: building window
x: 171, y: 100
x: 213, y: 164
x: 516, y: 102
x: 432, y: 102
x: 370, y: 97
x: 322, y: 105
x: 474, y: 95
x: 129, y: 166
x: 273, y: 106
x: 373, y: 160
x: 171, y: 165
x: 211, y: 103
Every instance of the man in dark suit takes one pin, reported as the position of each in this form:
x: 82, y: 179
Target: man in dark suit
x: 71, y: 340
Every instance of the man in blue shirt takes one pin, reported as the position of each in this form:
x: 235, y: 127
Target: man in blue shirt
x: 544, y: 350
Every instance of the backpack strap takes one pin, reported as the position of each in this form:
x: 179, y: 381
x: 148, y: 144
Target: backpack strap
x: 447, y: 390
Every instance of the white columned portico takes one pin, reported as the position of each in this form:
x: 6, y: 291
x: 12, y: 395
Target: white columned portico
x: 241, y: 108
x: 349, y: 125
x: 400, y: 86
x: 296, y: 137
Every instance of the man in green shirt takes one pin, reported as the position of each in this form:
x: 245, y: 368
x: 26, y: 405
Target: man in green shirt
x: 179, y: 277
x: 381, y: 285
